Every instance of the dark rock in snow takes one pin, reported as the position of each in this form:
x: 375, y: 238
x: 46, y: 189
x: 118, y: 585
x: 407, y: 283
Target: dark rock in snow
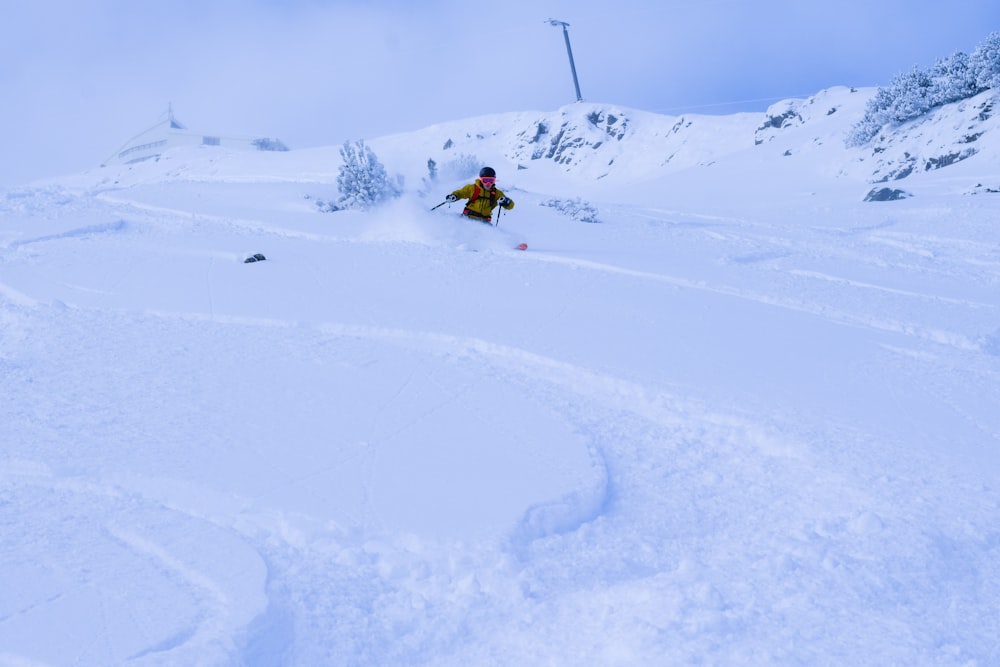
x: 886, y: 194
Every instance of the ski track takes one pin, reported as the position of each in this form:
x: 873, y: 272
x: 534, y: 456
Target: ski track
x: 889, y: 290
x: 86, y: 232
x: 703, y: 446
x: 169, y: 216
x: 662, y: 465
x: 934, y: 335
x: 76, y: 553
x: 939, y: 336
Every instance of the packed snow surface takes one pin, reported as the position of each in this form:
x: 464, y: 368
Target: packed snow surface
x: 744, y: 418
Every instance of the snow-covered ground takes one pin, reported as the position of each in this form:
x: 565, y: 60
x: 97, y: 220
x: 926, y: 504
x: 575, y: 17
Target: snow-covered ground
x: 745, y: 419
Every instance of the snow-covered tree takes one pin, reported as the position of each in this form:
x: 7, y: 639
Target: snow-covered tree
x: 953, y: 79
x: 914, y: 93
x: 877, y: 113
x: 363, y: 180
x: 985, y: 63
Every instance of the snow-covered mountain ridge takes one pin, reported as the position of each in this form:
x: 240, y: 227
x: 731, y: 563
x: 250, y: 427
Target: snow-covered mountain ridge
x: 592, y: 142
x: 610, y: 146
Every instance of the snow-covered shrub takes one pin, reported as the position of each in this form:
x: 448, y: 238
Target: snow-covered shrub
x: 955, y: 79
x: 911, y: 95
x: 914, y: 93
x: 574, y: 208
x: 876, y: 116
x: 984, y: 63
x: 363, y: 180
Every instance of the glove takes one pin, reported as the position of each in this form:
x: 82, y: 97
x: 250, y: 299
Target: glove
x: 451, y: 198
x: 504, y: 201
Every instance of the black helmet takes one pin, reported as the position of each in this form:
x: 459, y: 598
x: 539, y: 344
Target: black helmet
x: 487, y: 171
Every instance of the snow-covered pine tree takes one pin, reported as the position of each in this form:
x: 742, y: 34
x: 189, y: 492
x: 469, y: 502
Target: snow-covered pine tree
x: 876, y: 116
x: 911, y: 95
x: 985, y: 63
x: 914, y: 93
x: 953, y: 79
x: 363, y: 181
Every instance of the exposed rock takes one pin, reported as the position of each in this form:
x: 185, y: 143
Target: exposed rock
x: 935, y: 140
x: 950, y: 158
x: 570, y: 141
x: 615, y: 126
x: 907, y: 163
x: 886, y: 194
x: 789, y: 118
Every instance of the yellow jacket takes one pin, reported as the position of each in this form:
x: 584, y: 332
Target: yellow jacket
x: 481, y: 202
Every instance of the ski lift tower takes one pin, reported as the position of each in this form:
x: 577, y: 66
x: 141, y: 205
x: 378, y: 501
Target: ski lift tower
x: 572, y: 67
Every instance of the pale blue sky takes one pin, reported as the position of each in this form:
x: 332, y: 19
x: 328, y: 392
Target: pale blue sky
x: 80, y: 77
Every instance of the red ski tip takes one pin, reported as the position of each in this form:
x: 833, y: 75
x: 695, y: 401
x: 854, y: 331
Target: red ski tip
x: 521, y: 246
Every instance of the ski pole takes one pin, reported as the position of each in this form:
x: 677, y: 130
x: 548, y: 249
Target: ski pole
x: 441, y: 204
x: 499, y: 211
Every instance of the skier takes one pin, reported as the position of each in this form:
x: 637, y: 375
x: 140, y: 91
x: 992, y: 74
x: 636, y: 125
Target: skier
x: 483, y: 196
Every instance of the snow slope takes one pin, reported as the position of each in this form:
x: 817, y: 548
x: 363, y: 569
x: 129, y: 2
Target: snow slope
x: 746, y: 418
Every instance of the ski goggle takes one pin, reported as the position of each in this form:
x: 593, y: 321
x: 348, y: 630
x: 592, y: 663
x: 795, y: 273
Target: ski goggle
x: 489, y: 180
